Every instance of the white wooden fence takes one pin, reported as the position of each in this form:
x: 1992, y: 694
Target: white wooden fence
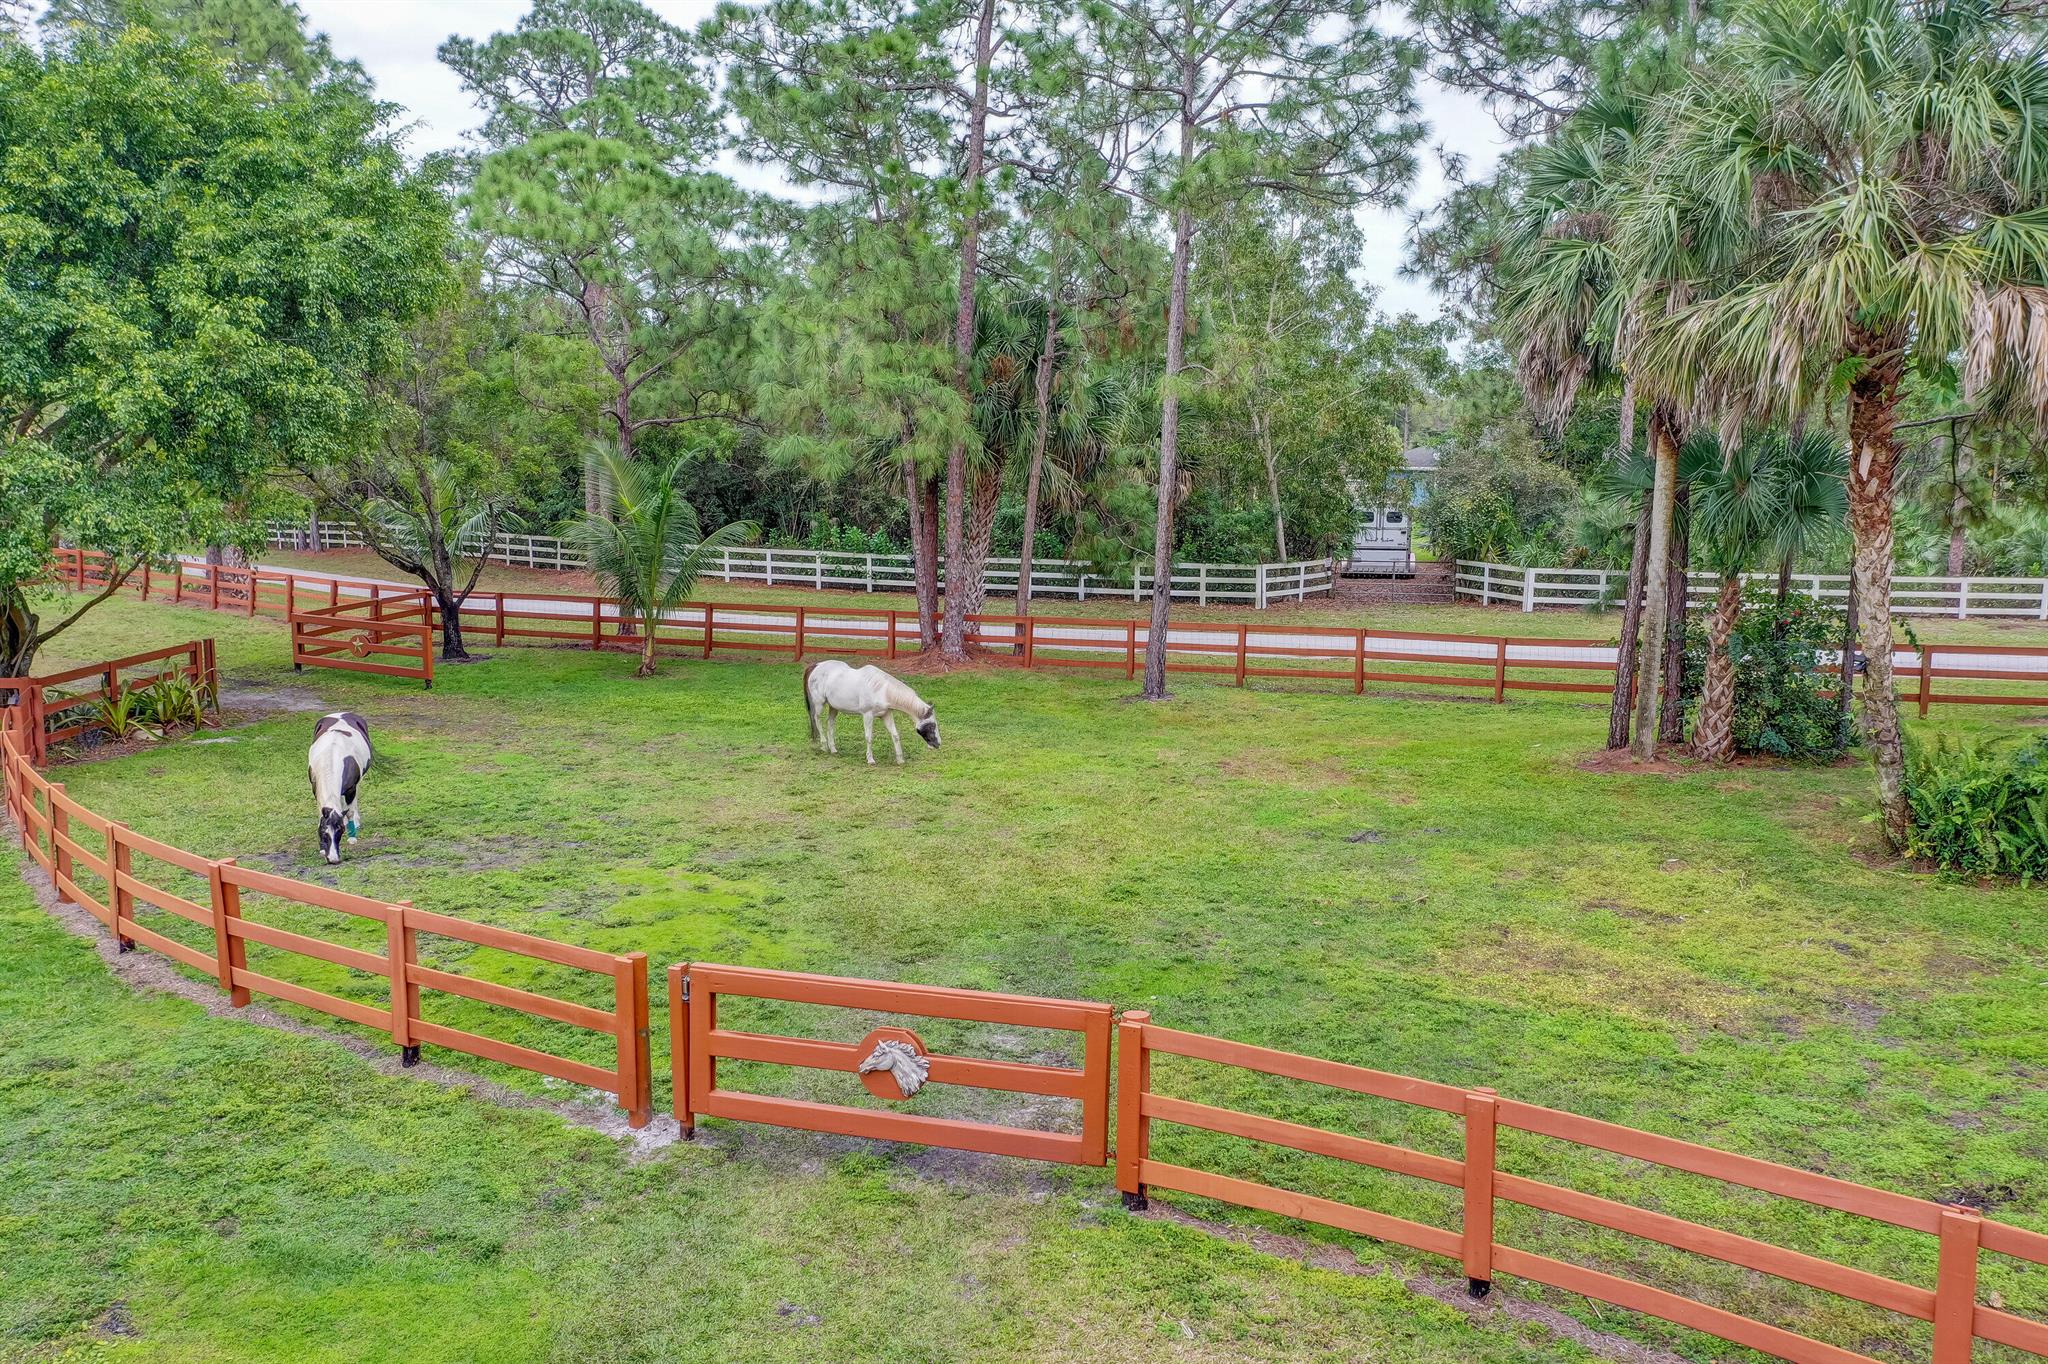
x: 1961, y: 598
x: 1254, y: 585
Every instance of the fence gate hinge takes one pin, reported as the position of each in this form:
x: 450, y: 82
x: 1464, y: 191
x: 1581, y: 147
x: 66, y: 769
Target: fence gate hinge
x: 686, y: 989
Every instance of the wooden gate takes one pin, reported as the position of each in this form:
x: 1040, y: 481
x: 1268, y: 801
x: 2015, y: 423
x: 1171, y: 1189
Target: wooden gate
x: 698, y: 1043
x: 390, y: 633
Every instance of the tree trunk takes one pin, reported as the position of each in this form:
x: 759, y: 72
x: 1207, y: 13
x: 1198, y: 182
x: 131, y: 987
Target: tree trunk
x: 1873, y: 466
x: 971, y: 593
x: 1671, y: 721
x: 452, y: 648
x: 1958, y: 508
x: 1656, y: 586
x: 646, y: 668
x: 1784, y: 580
x: 1846, y: 691
x: 1631, y: 630
x: 1713, y: 733
x: 1169, y: 408
x: 958, y: 568
x: 921, y: 498
x: 18, y: 634
x: 1271, y: 458
x: 1042, y: 397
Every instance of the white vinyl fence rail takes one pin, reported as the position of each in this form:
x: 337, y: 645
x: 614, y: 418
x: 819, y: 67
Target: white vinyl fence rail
x: 1254, y: 585
x: 1961, y: 598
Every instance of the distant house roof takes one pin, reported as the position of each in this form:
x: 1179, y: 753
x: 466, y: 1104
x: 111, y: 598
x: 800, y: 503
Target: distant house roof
x: 1421, y: 459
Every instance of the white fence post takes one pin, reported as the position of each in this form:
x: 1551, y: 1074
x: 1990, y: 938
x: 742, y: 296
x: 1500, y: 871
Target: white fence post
x: 1528, y: 589
x: 1963, y: 601
x: 1261, y: 588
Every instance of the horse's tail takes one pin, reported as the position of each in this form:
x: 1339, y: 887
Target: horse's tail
x: 810, y: 715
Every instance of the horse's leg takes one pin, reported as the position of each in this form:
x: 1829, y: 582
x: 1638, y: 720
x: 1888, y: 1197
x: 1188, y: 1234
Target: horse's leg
x: 889, y: 719
x: 831, y: 729
x: 867, y: 722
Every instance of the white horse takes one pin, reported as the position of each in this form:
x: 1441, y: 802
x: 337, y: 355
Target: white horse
x: 336, y: 764
x: 832, y: 686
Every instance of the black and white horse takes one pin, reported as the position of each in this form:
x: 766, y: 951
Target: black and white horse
x: 336, y: 764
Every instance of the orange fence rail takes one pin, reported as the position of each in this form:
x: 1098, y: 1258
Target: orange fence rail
x: 375, y: 627
x: 66, y: 840
x: 1951, y: 1305
x: 49, y: 709
x: 390, y: 634
x: 697, y: 1043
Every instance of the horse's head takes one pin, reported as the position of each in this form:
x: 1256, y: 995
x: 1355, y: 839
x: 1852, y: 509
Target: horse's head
x: 330, y: 834
x: 928, y: 726
x: 903, y: 1063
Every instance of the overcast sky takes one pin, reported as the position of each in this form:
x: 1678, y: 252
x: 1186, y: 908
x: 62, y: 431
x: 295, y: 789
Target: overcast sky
x: 395, y: 41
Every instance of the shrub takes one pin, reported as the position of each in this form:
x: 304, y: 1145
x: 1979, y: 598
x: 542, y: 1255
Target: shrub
x: 1780, y: 708
x: 172, y: 701
x: 1980, y: 807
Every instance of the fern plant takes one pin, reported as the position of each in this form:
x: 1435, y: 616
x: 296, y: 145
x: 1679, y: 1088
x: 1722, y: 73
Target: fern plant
x: 1979, y: 807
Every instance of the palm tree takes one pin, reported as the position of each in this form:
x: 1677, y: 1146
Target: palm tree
x: 1771, y: 495
x: 1565, y: 290
x: 1871, y: 178
x: 644, y: 544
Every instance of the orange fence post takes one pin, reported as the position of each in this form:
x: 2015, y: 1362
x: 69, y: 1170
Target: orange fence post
x: 1243, y: 636
x: 1358, y: 668
x: 1481, y: 1135
x: 498, y: 608
x: 1133, y: 1128
x: 334, y: 591
x: 1500, y: 670
x: 178, y: 583
x: 213, y: 587
x: 81, y: 570
x: 1955, y: 1286
x: 120, y: 900
x: 892, y: 634
x: 1030, y: 629
x: 250, y: 581
x: 401, y: 950
x: 229, y: 952
x: 145, y: 580
x: 636, y: 1085
x: 679, y: 1049
x: 596, y: 622
x: 1130, y: 649
x: 799, y: 634
x: 60, y: 829
x: 710, y: 613
x: 1926, y: 676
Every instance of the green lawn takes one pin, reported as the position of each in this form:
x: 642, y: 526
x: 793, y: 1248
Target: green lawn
x: 1430, y: 886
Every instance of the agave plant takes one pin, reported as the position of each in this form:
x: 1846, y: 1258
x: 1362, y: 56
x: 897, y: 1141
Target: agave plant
x: 171, y: 701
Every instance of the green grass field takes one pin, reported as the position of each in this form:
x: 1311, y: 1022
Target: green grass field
x: 1425, y: 885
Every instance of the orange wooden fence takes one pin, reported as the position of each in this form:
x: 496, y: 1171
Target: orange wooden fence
x: 1952, y: 1305
x: 66, y: 839
x: 391, y: 634
x: 697, y: 1043
x: 49, y: 709
x: 372, y: 627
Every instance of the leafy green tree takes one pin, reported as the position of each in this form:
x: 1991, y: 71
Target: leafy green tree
x: 453, y: 452
x: 197, y: 275
x: 856, y: 370
x: 1288, y: 98
x: 262, y: 41
x: 593, y: 196
x: 1871, y: 181
x: 1308, y: 385
x: 644, y: 543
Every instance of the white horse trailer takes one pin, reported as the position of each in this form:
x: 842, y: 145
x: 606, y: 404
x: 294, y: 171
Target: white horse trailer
x: 1380, y: 547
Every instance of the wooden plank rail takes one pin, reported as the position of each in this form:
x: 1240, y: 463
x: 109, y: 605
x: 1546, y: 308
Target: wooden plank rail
x: 1951, y: 1305
x: 698, y: 1043
x: 50, y: 822
x: 364, y: 626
